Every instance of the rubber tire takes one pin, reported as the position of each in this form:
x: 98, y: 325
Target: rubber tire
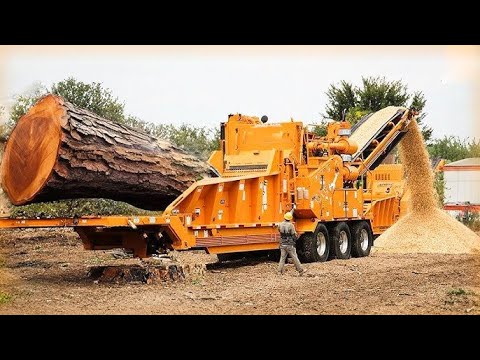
x: 307, y: 246
x: 335, y: 231
x: 357, y: 250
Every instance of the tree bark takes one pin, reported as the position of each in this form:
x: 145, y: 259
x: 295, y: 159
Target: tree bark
x: 59, y: 151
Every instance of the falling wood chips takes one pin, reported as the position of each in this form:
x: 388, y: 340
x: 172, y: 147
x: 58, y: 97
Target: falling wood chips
x: 426, y: 228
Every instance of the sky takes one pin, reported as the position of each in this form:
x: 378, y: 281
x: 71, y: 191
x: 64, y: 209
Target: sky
x: 201, y: 85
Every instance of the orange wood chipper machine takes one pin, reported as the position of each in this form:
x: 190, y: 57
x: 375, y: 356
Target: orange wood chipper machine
x: 340, y: 195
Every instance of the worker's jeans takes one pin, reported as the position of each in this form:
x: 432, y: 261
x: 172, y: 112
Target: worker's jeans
x: 289, y: 250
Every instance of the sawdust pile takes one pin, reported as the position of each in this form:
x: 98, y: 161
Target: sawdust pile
x: 426, y: 228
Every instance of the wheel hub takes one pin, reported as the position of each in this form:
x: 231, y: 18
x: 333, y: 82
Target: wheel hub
x: 343, y: 242
x: 364, y: 239
x: 321, y: 244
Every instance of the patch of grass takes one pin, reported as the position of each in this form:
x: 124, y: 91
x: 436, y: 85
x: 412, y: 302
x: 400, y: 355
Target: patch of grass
x: 470, y: 219
x: 457, y: 292
x: 196, y: 281
x: 77, y: 207
x: 4, y: 298
x: 459, y: 296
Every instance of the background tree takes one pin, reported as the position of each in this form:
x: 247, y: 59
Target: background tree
x: 340, y: 97
x: 321, y: 129
x: 452, y: 148
x: 4, y: 127
x: 439, y: 185
x: 93, y: 97
x: 200, y: 141
x: 374, y: 94
x: 25, y: 100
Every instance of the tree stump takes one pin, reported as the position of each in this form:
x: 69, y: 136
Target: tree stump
x: 122, y: 274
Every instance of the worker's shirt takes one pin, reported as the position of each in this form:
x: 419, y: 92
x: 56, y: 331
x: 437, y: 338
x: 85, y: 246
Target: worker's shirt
x: 288, y: 235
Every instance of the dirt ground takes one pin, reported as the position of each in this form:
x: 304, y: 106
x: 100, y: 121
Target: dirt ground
x: 45, y: 272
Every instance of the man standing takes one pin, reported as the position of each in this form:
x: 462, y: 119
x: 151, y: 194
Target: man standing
x: 288, y: 237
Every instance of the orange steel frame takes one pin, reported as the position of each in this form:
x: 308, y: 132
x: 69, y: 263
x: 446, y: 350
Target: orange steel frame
x: 266, y: 170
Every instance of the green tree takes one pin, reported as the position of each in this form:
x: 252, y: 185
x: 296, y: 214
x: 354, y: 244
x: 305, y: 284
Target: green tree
x: 341, y: 97
x: 139, y: 124
x: 24, y: 101
x: 452, y: 148
x: 321, y: 129
x: 93, y: 97
x: 439, y: 185
x: 200, y: 141
x: 377, y: 93
x: 4, y: 126
x: 374, y: 94
x: 163, y: 131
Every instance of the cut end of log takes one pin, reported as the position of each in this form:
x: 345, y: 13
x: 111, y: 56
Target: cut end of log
x: 32, y: 149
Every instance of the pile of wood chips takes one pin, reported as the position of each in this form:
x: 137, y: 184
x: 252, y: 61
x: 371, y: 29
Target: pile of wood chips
x: 426, y: 228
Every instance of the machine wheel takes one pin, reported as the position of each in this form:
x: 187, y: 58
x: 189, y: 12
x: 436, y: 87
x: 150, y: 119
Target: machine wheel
x: 314, y: 246
x: 362, y: 239
x: 341, y: 241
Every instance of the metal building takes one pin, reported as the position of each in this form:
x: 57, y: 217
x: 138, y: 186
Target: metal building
x: 462, y: 185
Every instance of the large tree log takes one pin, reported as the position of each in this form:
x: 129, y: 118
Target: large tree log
x: 59, y: 151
